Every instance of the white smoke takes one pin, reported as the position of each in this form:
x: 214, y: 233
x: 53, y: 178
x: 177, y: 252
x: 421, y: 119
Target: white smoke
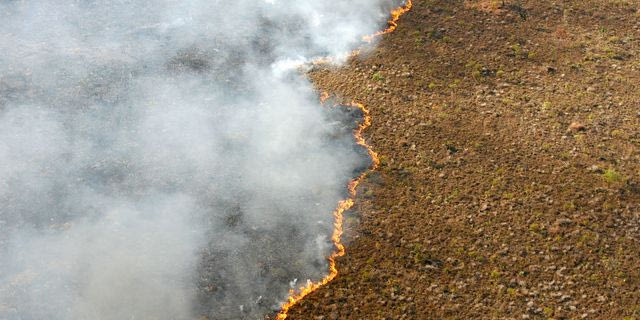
x: 164, y: 160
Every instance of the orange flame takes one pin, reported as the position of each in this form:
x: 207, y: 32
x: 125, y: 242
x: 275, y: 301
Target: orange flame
x: 343, y: 205
x: 393, y: 22
x: 324, y: 96
x: 392, y: 25
x: 346, y: 204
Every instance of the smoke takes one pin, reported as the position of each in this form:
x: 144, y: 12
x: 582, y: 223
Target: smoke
x: 164, y: 160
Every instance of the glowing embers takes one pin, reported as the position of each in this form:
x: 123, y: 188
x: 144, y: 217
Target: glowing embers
x: 338, y: 213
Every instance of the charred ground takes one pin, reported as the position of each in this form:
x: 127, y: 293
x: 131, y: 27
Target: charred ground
x: 509, y: 186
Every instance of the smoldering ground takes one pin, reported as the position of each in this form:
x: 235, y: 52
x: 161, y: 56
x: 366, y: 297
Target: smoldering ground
x: 158, y: 162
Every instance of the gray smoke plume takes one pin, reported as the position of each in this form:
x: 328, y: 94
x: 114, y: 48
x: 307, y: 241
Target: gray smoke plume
x: 163, y: 160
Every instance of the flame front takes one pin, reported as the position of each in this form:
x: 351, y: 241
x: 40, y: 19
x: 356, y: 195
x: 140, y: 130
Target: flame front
x: 346, y: 204
x: 393, y: 22
x: 343, y: 205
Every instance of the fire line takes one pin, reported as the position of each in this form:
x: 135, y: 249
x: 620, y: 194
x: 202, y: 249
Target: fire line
x: 393, y: 22
x: 346, y: 204
x: 343, y: 206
